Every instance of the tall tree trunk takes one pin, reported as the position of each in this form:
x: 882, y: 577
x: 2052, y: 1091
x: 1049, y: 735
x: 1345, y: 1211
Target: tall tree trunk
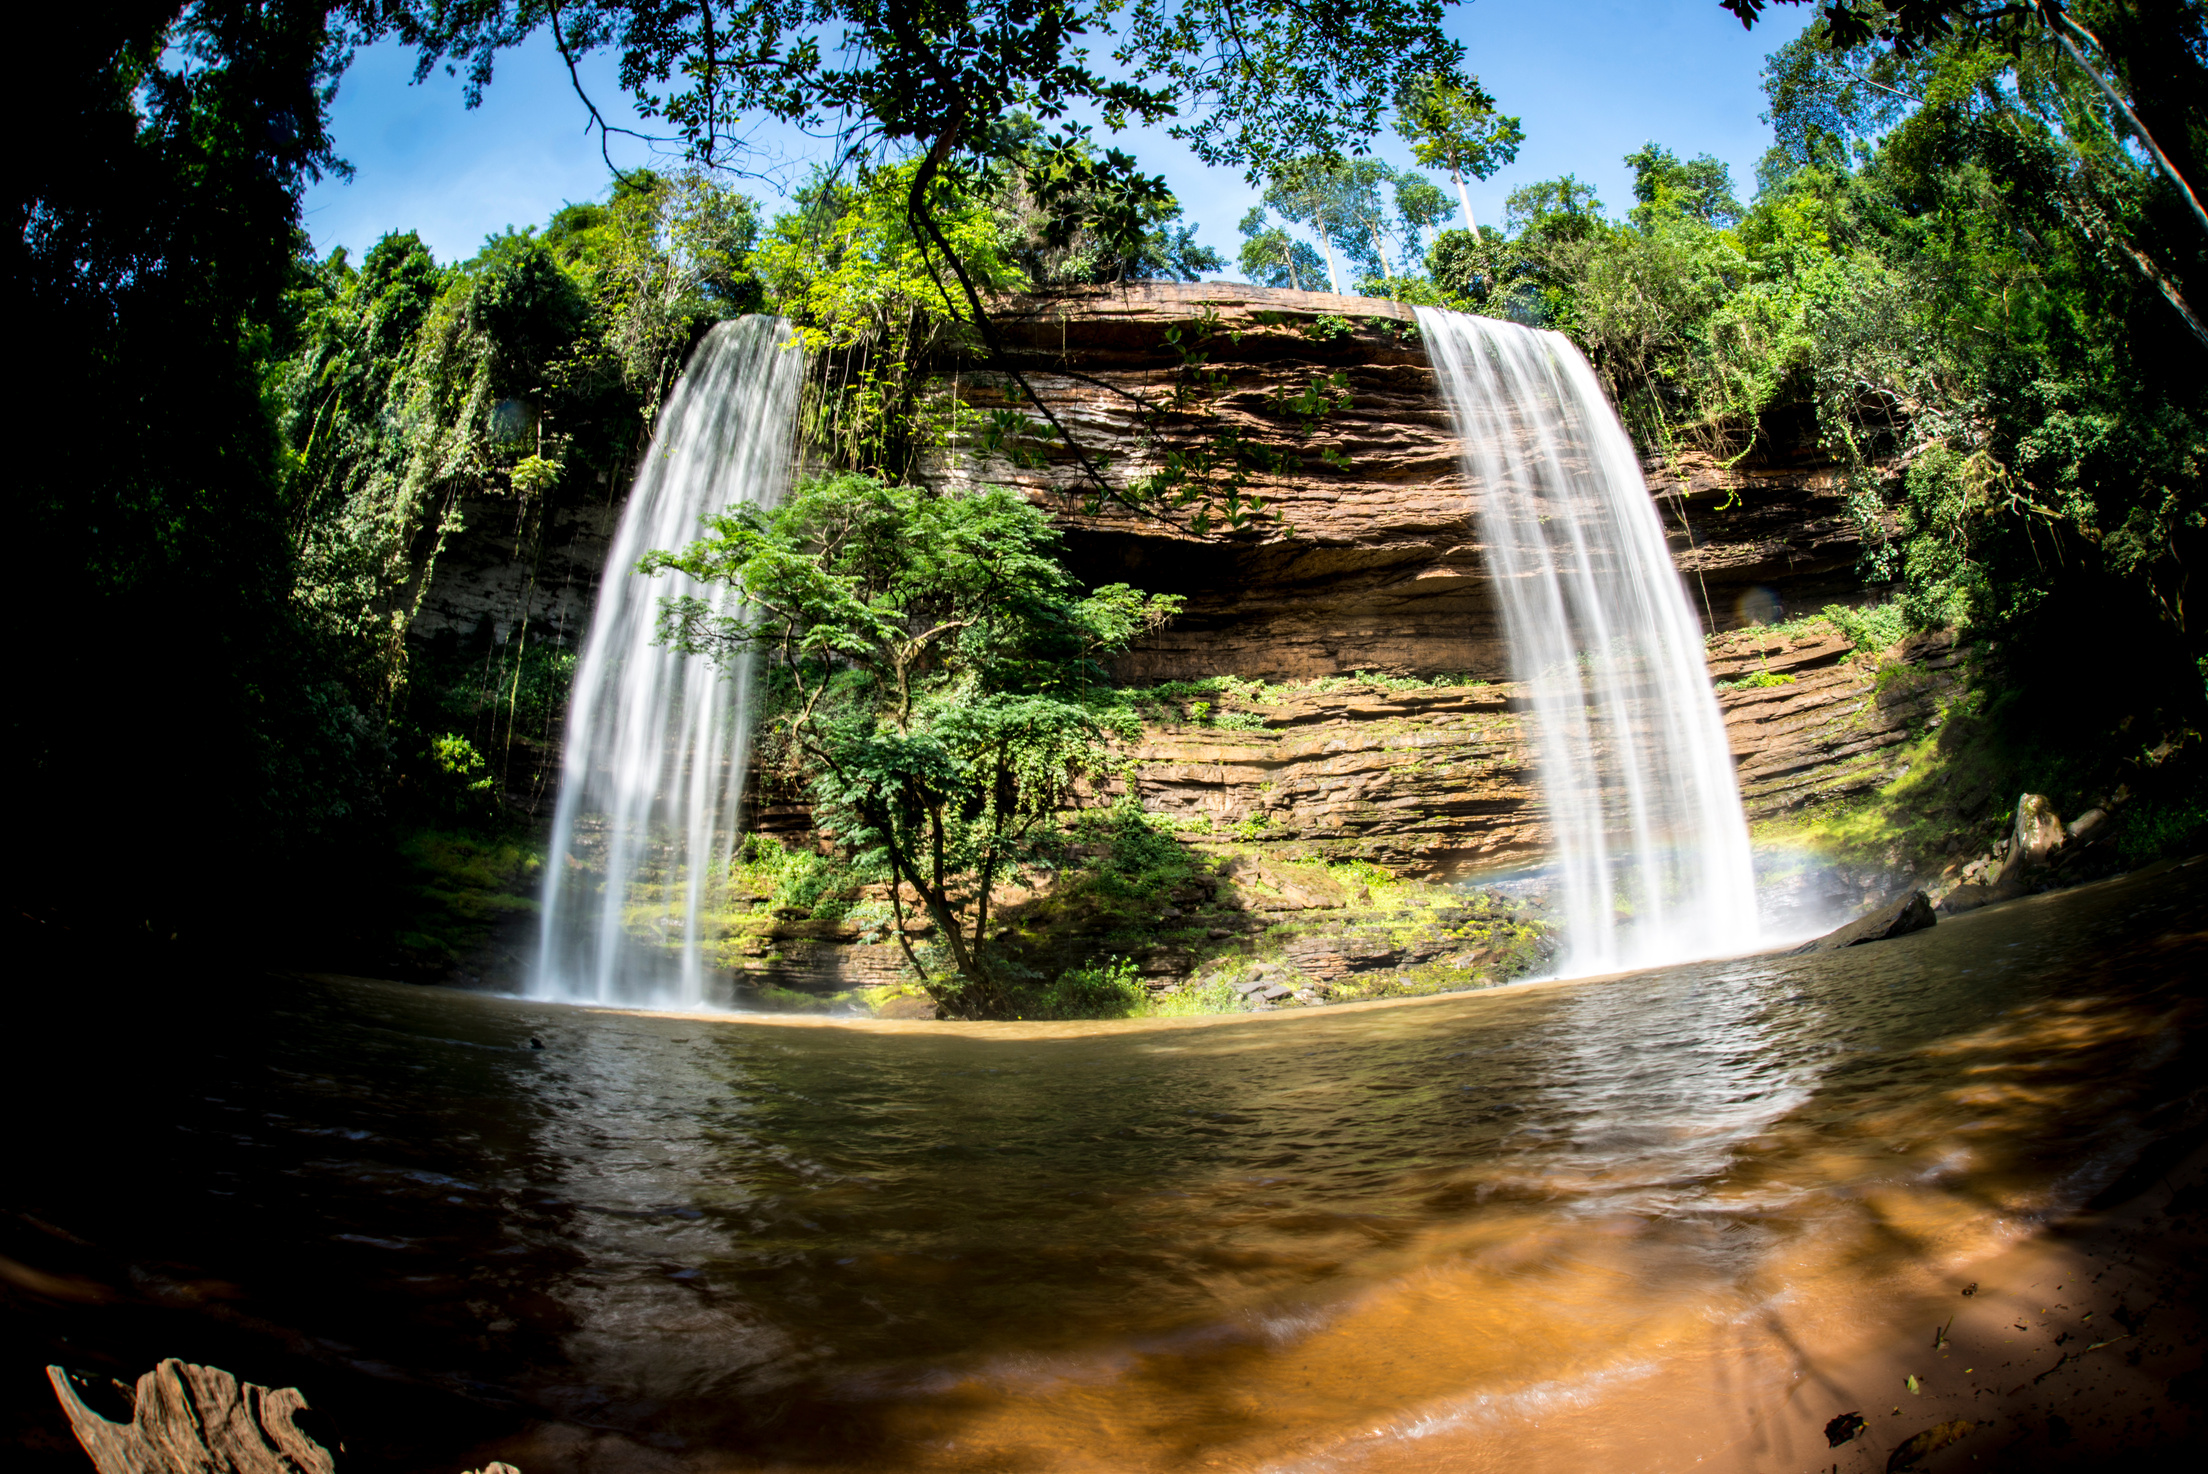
x: 2063, y: 27
x: 1465, y: 200
x: 1333, y: 276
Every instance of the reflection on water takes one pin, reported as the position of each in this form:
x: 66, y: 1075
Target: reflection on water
x: 1282, y: 1241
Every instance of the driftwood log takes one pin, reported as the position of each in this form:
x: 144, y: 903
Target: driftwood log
x: 187, y: 1419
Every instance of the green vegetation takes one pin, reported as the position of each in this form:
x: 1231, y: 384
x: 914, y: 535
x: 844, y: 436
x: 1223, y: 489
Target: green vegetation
x: 1144, y: 918
x: 1212, y: 701
x: 1973, y: 262
x: 253, y: 454
x: 1961, y: 266
x: 939, y: 680
x: 1956, y: 786
x: 455, y: 888
x: 1194, y: 920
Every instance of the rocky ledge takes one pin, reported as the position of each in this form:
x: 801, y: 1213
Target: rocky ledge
x: 1431, y: 786
x: 1264, y: 930
x: 1812, y: 718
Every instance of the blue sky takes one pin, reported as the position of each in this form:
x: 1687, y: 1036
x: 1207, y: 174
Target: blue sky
x: 1591, y: 79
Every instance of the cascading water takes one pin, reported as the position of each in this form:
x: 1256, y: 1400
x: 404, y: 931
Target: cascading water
x: 656, y: 745
x: 1651, y: 846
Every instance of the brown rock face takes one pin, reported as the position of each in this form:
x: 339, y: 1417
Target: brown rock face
x: 1423, y: 782
x: 508, y: 560
x: 1832, y: 729
x: 1383, y: 570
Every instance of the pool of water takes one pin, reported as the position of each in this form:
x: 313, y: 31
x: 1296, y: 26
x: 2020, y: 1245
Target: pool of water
x: 1292, y: 1241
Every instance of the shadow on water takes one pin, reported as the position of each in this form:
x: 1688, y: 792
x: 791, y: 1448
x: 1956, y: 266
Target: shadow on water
x: 668, y: 1242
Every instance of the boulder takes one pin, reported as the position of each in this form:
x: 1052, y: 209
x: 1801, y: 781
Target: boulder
x: 1912, y: 912
x: 1969, y: 898
x: 2087, y: 822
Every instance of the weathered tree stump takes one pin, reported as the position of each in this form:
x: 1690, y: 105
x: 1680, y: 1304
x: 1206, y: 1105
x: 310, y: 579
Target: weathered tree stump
x: 187, y: 1419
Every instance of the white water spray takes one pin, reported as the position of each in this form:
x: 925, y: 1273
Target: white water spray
x: 656, y: 743
x: 1651, y: 846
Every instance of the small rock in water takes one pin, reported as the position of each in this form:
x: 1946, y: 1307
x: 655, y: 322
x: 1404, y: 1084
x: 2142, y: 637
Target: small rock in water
x: 1912, y: 912
x: 1968, y: 898
x: 535, y: 1042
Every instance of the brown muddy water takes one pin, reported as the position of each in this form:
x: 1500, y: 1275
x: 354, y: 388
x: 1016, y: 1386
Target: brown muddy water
x: 1384, y: 1237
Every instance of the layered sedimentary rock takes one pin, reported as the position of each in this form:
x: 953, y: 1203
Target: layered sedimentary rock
x: 1422, y: 781
x: 508, y: 561
x: 1374, y: 561
x: 1833, y: 722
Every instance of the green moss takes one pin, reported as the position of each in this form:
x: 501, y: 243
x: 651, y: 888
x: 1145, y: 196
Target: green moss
x: 457, y: 888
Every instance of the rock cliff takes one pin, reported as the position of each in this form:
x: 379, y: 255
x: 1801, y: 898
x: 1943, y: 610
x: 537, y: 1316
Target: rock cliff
x: 1418, y: 765
x: 1382, y: 569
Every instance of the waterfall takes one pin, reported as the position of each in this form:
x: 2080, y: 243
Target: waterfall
x: 656, y: 742
x: 1651, y: 847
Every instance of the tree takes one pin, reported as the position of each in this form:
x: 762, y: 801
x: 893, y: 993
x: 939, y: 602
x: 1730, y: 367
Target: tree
x: 1361, y: 184
x: 1451, y: 123
x: 1339, y: 201
x: 1271, y: 257
x: 1701, y: 187
x: 940, y: 684
x: 1068, y: 221
x: 1251, y: 84
x: 2149, y: 59
x: 1555, y: 210
x: 151, y: 256
x: 1419, y: 207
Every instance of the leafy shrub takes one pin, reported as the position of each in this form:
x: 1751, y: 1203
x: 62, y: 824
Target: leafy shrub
x: 1759, y: 681
x: 1871, y: 629
x: 820, y: 886
x: 2164, y: 827
x: 1109, y: 987
x: 1216, y: 996
x: 463, y: 786
x: 1142, y: 855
